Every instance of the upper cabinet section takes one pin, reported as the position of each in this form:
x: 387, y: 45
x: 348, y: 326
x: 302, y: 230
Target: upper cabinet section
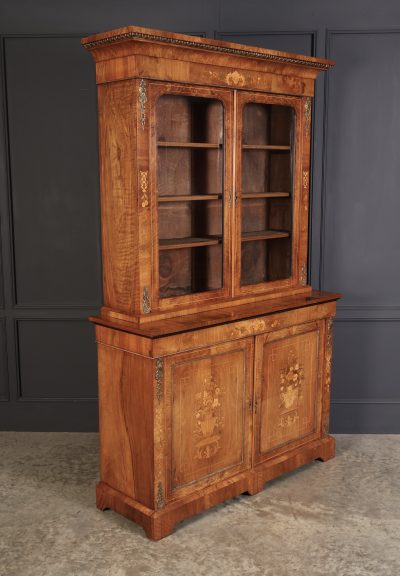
x: 205, y: 171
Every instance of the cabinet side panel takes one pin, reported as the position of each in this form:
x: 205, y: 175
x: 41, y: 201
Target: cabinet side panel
x: 126, y: 423
x: 118, y: 192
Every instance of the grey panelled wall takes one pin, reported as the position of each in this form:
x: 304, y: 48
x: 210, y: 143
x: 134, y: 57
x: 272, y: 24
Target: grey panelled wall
x: 361, y: 232
x: 52, y: 127
x: 50, y: 277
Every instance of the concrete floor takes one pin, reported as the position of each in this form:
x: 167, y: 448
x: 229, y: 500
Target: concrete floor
x: 339, y: 518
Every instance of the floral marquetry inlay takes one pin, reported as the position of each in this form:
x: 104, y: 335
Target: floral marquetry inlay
x: 209, y: 419
x: 290, y: 391
x: 254, y: 327
x: 235, y: 79
x: 144, y: 184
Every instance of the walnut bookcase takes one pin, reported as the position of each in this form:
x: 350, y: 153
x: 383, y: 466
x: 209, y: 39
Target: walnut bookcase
x: 214, y: 353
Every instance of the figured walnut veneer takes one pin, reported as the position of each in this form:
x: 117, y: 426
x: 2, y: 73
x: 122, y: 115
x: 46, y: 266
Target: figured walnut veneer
x: 214, y: 353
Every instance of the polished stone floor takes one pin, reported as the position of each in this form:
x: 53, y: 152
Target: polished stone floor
x: 339, y: 518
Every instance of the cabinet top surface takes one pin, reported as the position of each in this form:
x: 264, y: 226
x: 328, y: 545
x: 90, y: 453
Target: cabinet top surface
x: 136, y: 33
x: 186, y: 323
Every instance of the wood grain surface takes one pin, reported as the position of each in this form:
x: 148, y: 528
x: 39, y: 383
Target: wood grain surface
x: 214, y: 353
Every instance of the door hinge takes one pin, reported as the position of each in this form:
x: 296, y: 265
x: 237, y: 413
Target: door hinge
x: 159, y: 378
x: 160, y: 496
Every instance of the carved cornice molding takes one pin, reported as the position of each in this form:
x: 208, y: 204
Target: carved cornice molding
x: 261, y: 55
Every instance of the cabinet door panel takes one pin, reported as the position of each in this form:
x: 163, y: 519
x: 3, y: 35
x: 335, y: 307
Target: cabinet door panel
x: 268, y: 154
x: 208, y: 415
x: 191, y: 178
x: 287, y: 389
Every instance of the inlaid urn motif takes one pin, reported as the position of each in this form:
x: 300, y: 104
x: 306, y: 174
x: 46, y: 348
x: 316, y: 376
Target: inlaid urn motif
x: 209, y: 419
x: 291, y: 391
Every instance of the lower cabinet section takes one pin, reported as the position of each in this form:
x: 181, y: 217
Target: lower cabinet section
x: 187, y: 429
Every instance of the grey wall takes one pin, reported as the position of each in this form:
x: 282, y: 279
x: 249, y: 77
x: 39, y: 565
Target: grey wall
x: 50, y: 256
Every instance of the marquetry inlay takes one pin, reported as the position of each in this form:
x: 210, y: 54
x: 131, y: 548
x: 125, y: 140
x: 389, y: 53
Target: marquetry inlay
x: 291, y: 390
x: 254, y: 327
x: 235, y: 79
x: 209, y: 419
x: 144, y: 184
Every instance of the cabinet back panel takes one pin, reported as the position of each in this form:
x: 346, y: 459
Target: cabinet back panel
x: 267, y: 153
x: 189, y: 270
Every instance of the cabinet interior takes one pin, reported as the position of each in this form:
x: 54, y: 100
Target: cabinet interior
x: 190, y: 150
x: 267, y: 148
x: 190, y: 182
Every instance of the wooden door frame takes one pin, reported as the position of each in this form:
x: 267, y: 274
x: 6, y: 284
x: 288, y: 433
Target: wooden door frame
x: 225, y: 95
x: 242, y: 98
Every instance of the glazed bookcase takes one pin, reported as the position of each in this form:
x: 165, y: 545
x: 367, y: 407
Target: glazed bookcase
x: 214, y: 352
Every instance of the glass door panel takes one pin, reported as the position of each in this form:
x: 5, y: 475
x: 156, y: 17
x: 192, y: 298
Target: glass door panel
x: 267, y: 156
x: 190, y: 184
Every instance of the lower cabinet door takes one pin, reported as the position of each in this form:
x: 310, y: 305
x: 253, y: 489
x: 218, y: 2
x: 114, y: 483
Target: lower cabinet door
x: 208, y: 415
x: 287, y: 388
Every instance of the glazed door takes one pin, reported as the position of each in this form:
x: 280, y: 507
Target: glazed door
x: 191, y: 180
x: 287, y: 389
x: 208, y: 414
x: 268, y: 154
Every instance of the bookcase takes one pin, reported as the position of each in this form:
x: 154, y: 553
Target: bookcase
x: 214, y: 352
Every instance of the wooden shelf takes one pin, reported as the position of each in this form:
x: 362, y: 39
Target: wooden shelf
x: 264, y: 147
x: 264, y: 235
x: 177, y: 243
x: 188, y: 145
x: 265, y: 195
x: 190, y: 198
